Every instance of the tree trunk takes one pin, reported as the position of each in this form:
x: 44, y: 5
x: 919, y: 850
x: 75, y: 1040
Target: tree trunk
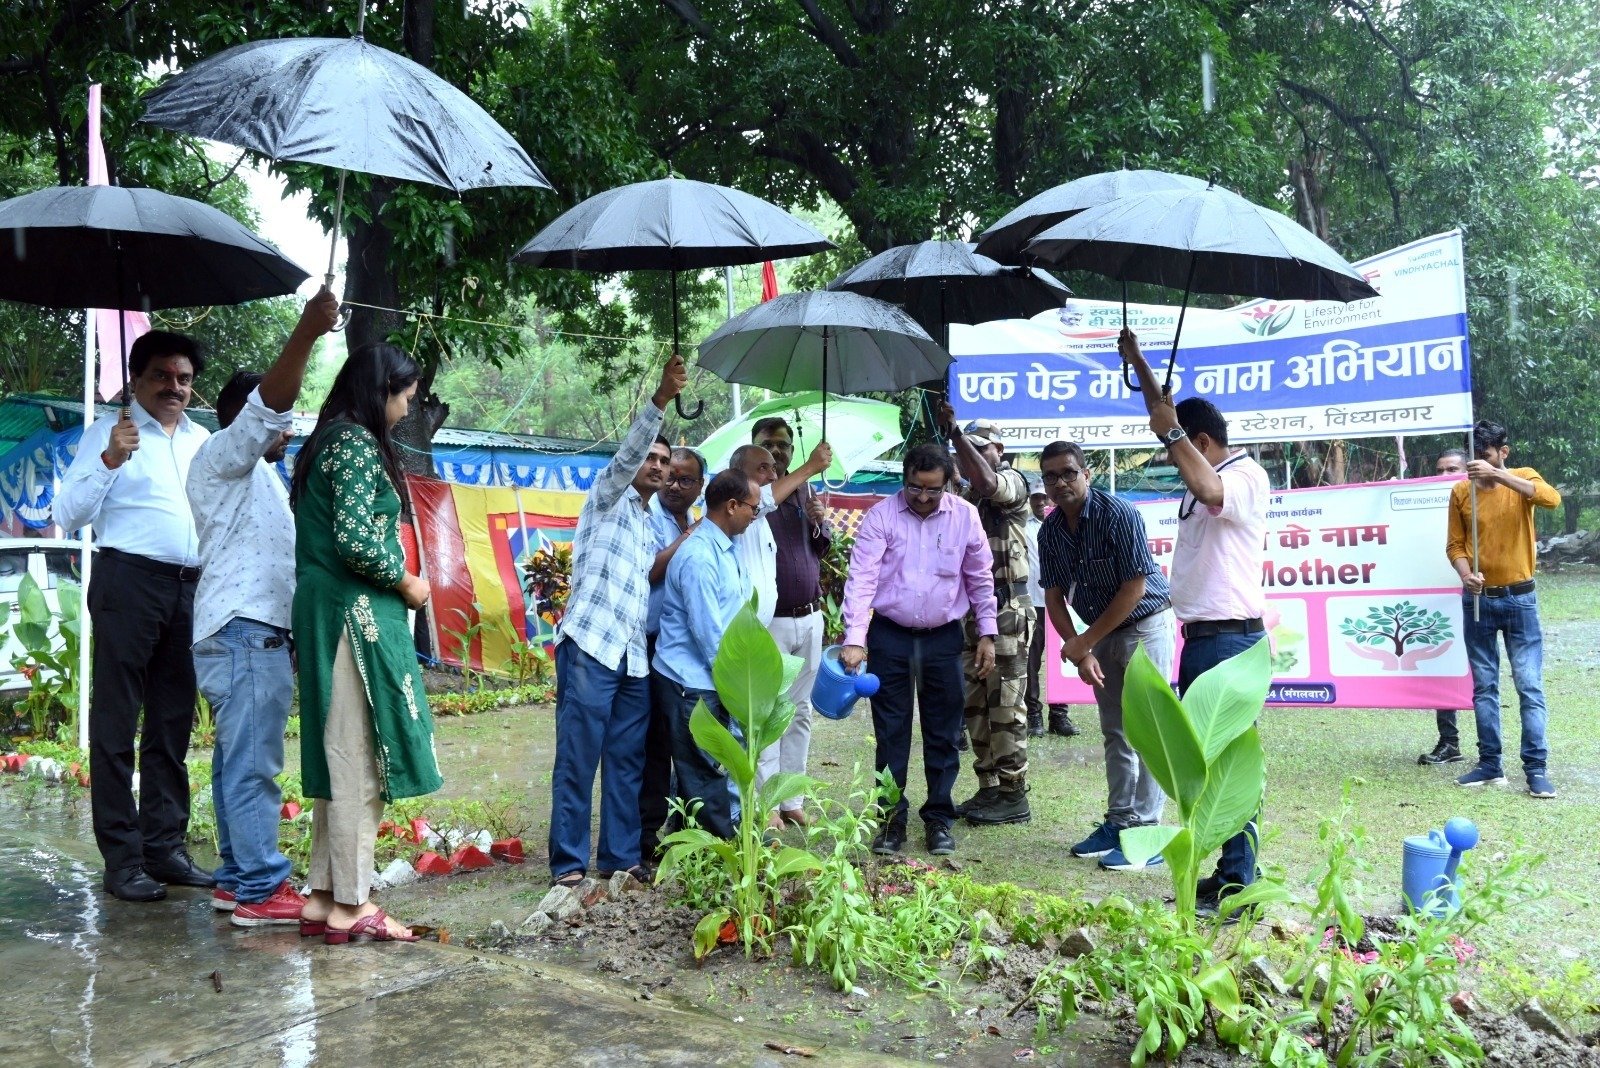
x: 1571, y: 509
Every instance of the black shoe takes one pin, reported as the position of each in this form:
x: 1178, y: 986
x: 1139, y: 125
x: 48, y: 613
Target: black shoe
x: 891, y: 839
x: 963, y: 743
x: 1036, y: 724
x: 1007, y: 807
x: 1443, y: 753
x: 132, y: 884
x: 941, y: 843
x: 1061, y: 723
x: 986, y: 795
x: 178, y: 869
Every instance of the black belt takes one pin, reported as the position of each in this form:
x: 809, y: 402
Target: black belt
x: 1516, y: 589
x: 1126, y: 623
x: 1210, y: 628
x: 879, y: 617
x: 180, y: 572
x: 799, y: 611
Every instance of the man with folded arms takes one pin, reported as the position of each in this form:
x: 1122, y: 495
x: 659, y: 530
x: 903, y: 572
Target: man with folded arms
x: 921, y: 562
x: 242, y: 611
x: 1094, y: 556
x: 1501, y: 592
x: 127, y: 480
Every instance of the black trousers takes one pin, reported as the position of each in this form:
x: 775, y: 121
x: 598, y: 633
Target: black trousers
x: 1449, y: 733
x: 924, y: 668
x: 656, y: 784
x: 143, y: 629
x: 1035, y: 662
x: 699, y: 777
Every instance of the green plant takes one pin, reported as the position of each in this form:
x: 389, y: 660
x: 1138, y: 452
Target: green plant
x: 52, y: 676
x: 752, y: 679
x: 702, y: 881
x: 205, y: 727
x: 1571, y: 993
x: 1206, y: 754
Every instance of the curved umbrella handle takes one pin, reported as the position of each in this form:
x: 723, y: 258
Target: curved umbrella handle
x: 699, y: 406
x: 345, y: 311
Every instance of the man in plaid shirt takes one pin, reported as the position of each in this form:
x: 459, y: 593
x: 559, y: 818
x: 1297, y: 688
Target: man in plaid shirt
x: 602, y: 674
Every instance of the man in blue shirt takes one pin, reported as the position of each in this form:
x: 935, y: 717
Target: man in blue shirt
x: 706, y: 586
x: 670, y: 522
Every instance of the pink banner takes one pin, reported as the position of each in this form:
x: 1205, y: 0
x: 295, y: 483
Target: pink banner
x: 1363, y: 609
x: 109, y: 333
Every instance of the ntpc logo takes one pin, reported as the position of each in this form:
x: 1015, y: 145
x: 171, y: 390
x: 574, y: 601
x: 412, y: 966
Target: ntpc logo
x: 1265, y: 320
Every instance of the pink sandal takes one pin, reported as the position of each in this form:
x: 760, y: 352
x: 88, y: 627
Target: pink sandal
x: 370, y: 928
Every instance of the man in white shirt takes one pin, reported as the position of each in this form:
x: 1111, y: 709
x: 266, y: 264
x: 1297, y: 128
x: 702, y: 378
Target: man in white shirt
x: 242, y: 610
x: 127, y: 480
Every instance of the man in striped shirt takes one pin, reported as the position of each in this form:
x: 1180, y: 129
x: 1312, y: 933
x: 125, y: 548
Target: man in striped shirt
x: 1094, y: 557
x: 602, y: 673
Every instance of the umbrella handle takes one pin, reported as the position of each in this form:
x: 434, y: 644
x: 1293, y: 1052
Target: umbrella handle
x: 345, y: 311
x: 699, y: 406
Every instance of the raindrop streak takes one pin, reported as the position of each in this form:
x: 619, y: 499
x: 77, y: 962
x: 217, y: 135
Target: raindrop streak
x: 1208, y: 81
x: 1513, y: 302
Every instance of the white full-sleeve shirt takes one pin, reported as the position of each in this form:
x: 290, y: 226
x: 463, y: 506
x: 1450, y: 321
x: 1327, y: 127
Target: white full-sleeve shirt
x: 140, y: 507
x: 241, y: 511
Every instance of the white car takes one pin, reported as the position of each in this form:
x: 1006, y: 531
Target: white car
x: 51, y: 561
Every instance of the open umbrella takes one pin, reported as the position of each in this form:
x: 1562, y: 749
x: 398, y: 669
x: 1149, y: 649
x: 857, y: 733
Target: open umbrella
x: 670, y: 224
x: 1007, y: 240
x: 346, y: 104
x: 944, y: 282
x: 104, y: 246
x: 1207, y: 241
x: 860, y: 430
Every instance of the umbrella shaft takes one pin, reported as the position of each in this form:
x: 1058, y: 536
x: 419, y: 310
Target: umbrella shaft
x: 338, y: 221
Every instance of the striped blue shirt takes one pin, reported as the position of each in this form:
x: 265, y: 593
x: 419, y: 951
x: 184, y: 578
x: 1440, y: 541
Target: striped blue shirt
x: 1108, y: 549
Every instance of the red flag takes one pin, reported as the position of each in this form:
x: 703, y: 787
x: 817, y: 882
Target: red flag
x: 769, y: 282
x: 108, y: 332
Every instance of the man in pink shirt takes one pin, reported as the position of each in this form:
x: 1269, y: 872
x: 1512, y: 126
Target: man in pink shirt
x: 1216, y: 563
x: 921, y: 561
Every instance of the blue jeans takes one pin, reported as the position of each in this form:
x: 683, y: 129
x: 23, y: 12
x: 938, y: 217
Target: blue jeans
x: 245, y: 672
x: 1517, y: 617
x: 1237, y: 865
x: 601, y: 719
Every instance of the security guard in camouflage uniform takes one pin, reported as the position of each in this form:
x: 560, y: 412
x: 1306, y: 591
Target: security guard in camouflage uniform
x: 996, y: 707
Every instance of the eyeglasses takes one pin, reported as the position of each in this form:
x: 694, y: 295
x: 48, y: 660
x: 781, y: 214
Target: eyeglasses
x: 1056, y: 478
x: 924, y: 492
x: 747, y: 504
x: 683, y: 480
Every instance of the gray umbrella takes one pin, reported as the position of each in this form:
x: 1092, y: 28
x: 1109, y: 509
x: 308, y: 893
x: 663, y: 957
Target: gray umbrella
x: 102, y: 246
x: 346, y: 104
x: 1007, y: 239
x: 944, y: 282
x: 1207, y: 241
x: 839, y: 341
x: 670, y: 224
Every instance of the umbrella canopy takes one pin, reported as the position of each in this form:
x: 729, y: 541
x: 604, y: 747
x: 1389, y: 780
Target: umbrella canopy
x: 1007, y: 239
x: 670, y: 224
x: 343, y: 103
x: 859, y: 430
x: 839, y: 341
x: 944, y: 282
x: 137, y: 249
x: 1204, y: 241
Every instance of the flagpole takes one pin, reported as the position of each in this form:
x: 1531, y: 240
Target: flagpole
x: 738, y: 394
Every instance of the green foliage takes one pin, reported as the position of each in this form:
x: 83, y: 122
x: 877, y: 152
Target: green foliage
x: 1205, y: 753
x: 52, y: 674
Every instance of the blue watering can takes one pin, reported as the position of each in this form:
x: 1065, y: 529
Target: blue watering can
x: 1428, y: 871
x: 836, y: 690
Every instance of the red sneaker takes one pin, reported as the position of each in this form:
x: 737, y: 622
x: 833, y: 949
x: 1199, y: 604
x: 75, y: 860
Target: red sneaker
x: 282, y: 907
x: 223, y: 900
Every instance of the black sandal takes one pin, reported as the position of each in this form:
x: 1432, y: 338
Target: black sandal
x: 638, y: 871
x: 568, y: 879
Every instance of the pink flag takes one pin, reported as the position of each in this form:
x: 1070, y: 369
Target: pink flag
x: 108, y: 332
x: 769, y: 281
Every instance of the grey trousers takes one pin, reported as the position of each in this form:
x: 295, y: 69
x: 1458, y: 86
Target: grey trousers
x: 1134, y: 796
x: 344, y: 828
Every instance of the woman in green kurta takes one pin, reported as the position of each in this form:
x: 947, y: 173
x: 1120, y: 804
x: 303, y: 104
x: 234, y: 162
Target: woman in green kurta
x: 366, y: 736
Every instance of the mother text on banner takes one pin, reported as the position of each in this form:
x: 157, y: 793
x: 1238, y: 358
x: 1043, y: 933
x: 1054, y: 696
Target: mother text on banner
x: 1279, y: 371
x: 1363, y: 609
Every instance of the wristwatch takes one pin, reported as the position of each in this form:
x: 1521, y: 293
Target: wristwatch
x: 1173, y: 436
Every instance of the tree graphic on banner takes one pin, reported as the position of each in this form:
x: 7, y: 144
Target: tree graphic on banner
x: 1400, y: 626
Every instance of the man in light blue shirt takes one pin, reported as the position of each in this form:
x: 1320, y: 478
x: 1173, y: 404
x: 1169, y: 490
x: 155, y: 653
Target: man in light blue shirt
x: 706, y: 586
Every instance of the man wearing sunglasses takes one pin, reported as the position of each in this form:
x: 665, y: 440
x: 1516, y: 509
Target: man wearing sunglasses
x: 1216, y: 563
x: 921, y: 561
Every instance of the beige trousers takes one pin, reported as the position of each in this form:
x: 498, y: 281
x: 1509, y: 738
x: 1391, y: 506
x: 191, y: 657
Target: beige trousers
x: 344, y: 828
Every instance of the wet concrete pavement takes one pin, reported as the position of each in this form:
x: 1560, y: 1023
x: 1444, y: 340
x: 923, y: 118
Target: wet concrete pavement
x: 89, y: 980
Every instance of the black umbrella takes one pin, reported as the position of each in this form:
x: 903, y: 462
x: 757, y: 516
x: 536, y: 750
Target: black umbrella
x: 671, y: 224
x: 944, y: 282
x: 828, y: 340
x: 343, y: 103
x: 1007, y: 239
x: 1207, y: 241
x: 104, y: 246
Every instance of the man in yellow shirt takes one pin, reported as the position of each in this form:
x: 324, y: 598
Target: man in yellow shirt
x: 1507, y: 604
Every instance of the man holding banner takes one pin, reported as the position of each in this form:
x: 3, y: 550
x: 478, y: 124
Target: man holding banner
x: 1216, y: 563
